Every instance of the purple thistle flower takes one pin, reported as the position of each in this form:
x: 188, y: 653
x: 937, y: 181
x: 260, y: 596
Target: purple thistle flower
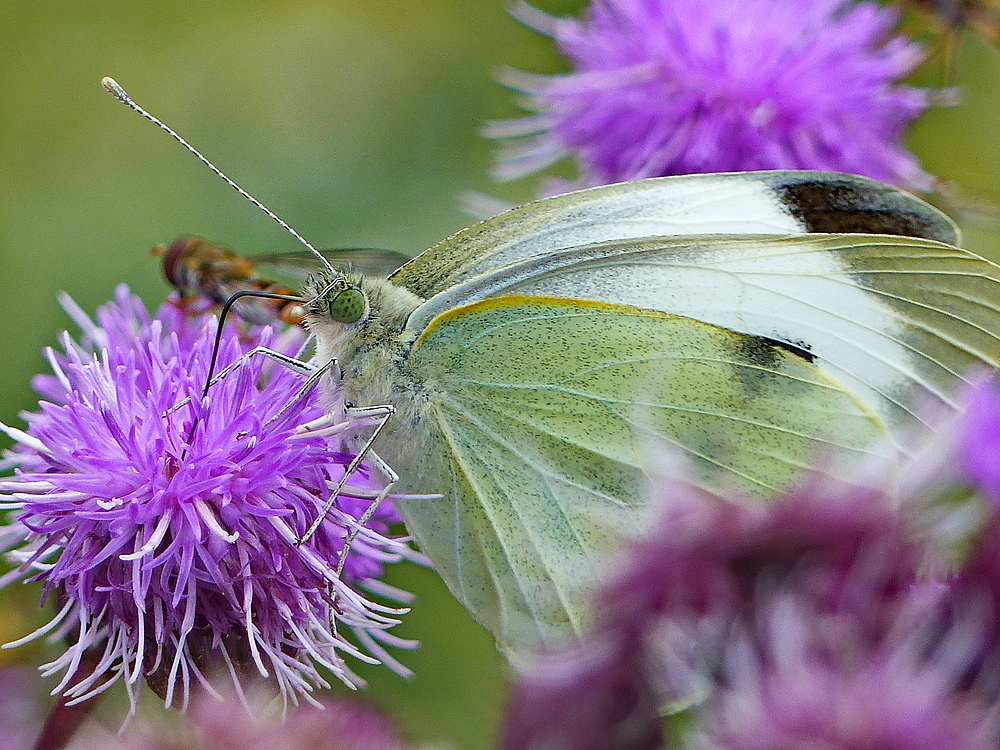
x: 979, y: 440
x: 803, y: 677
x: 664, y: 87
x: 707, y: 556
x: 250, y: 724
x: 168, y: 537
x: 696, y: 615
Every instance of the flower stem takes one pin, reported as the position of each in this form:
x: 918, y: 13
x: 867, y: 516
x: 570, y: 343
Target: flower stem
x: 64, y: 720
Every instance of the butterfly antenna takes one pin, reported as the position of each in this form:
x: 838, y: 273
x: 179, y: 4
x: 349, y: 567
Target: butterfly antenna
x: 112, y: 87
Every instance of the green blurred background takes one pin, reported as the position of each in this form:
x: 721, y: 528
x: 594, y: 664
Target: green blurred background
x: 354, y: 120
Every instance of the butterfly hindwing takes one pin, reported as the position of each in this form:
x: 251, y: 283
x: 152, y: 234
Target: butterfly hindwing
x: 538, y: 416
x: 898, y: 320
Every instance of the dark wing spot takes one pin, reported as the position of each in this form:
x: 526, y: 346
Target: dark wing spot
x: 756, y: 350
x: 799, y: 348
x: 865, y: 207
x: 762, y: 354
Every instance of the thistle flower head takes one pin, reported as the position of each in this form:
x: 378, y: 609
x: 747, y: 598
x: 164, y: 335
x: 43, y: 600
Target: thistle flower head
x: 727, y: 602
x: 251, y: 724
x: 707, y: 556
x: 168, y: 537
x: 663, y: 87
x: 799, y: 677
x: 979, y: 439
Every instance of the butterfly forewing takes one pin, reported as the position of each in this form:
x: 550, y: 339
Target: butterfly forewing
x: 737, y: 203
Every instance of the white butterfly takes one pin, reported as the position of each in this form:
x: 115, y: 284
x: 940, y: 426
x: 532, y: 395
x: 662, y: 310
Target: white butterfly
x: 759, y: 321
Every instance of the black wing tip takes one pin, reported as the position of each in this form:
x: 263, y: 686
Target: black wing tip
x: 843, y: 204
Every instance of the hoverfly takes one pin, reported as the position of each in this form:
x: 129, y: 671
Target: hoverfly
x: 197, y: 268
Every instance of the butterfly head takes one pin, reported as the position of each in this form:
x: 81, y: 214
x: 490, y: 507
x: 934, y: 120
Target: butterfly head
x: 357, y: 320
x: 335, y: 297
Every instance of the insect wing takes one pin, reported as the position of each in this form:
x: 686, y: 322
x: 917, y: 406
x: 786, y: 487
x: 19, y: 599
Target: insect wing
x: 737, y: 203
x: 982, y: 16
x: 539, y: 415
x: 368, y: 261
x: 897, y: 320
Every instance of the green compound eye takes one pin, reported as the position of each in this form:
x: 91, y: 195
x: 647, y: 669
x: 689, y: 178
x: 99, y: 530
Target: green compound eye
x: 348, y: 306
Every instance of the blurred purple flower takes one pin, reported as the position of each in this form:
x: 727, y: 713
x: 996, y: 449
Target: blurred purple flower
x: 974, y: 591
x: 22, y: 706
x: 593, y: 696
x: 250, y: 724
x: 664, y: 87
x: 740, y: 615
x: 707, y: 559
x: 979, y: 440
x: 168, y: 539
x: 955, y: 475
x: 803, y: 677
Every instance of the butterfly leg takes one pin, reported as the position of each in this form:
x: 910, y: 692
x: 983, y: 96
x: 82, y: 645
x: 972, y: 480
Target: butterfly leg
x: 391, y: 478
x: 292, y: 363
x: 296, y: 365
x: 382, y: 414
x: 331, y: 424
x: 307, y: 386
